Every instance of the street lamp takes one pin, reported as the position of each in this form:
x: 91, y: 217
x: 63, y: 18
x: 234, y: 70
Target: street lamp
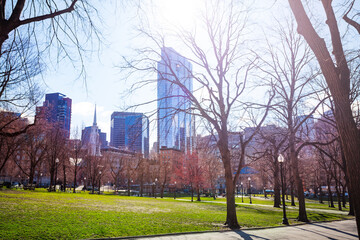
x: 242, y: 192
x: 154, y: 186
x: 85, y: 183
x: 56, y: 170
x: 99, y: 180
x: 175, y: 190
x: 249, y: 189
x: 153, y: 189
x: 281, y: 160
x: 40, y: 179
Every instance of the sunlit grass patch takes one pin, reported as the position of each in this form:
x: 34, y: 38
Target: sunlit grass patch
x: 43, y: 215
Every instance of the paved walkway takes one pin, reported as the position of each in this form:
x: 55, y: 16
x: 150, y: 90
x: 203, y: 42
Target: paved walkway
x: 271, y: 206
x: 330, y: 230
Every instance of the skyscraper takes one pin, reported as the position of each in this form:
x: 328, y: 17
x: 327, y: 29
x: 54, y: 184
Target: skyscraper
x: 56, y: 109
x: 130, y: 131
x: 175, y: 122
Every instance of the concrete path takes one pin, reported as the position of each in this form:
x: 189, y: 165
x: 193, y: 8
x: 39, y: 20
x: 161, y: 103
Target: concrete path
x: 317, y: 231
x: 270, y: 206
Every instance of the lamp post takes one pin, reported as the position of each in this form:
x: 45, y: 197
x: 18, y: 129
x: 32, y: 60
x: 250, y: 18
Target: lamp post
x: 99, y: 180
x: 153, y: 189
x: 155, y: 184
x: 249, y: 179
x: 85, y: 183
x: 242, y: 192
x: 175, y: 190
x: 40, y: 179
x: 56, y: 170
x: 281, y: 160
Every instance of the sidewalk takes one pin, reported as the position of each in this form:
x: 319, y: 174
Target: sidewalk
x: 318, y: 231
x: 270, y: 206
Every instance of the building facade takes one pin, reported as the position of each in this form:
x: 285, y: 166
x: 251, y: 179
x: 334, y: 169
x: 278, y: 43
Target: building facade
x: 56, y: 109
x: 93, y: 139
x: 85, y: 136
x: 130, y: 131
x: 175, y: 122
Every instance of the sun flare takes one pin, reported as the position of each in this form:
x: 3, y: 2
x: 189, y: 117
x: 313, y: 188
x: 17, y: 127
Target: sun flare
x: 182, y: 13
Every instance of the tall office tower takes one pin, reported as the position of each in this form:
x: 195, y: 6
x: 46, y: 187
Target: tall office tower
x: 130, y: 131
x: 56, y: 109
x: 175, y: 122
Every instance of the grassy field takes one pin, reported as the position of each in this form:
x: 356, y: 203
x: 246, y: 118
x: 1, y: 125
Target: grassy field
x: 43, y: 215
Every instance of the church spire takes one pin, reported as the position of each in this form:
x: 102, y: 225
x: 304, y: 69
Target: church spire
x: 94, y: 123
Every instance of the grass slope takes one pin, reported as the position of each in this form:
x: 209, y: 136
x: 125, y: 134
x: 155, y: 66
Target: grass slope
x: 43, y: 215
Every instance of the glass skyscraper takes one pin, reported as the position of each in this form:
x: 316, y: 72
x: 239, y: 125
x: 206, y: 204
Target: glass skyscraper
x: 130, y: 131
x: 56, y: 109
x: 175, y: 122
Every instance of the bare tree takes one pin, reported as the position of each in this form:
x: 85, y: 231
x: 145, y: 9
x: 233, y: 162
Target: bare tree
x: 55, y: 144
x: 211, y: 162
x: 220, y: 82
x: 34, y: 147
x: 273, y: 142
x: 288, y: 65
x: 337, y: 75
x: 76, y: 157
x: 29, y: 28
x: 9, y: 145
x: 117, y: 166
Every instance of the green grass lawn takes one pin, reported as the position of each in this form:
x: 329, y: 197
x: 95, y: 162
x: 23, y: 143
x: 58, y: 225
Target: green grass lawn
x: 42, y: 215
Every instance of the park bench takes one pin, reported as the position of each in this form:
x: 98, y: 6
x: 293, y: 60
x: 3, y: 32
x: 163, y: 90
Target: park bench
x: 29, y: 187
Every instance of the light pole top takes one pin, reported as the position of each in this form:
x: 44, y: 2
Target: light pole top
x: 249, y: 178
x: 57, y: 160
x: 281, y: 158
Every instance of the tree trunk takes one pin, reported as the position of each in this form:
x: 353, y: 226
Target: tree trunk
x: 75, y: 173
x: 320, y: 195
x: 162, y: 190
x: 292, y: 194
x: 64, y: 183
x: 330, y: 196
x: 299, y: 187
x: 351, y: 203
x: 338, y: 196
x: 276, y: 184
x: 141, y: 186
x: 198, y: 194
x: 343, y: 197
x: 31, y: 174
x: 52, y: 176
x: 338, y: 80
x: 192, y: 192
